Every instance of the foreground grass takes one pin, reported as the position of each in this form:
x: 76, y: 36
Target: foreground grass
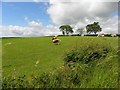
x: 20, y: 58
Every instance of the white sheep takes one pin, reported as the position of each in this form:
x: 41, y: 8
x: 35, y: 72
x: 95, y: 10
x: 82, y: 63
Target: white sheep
x: 100, y: 35
x: 113, y: 35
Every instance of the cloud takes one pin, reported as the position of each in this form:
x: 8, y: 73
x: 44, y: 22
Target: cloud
x: 35, y: 24
x: 108, y: 26
x: 59, y: 1
x: 13, y: 31
x: 83, y: 12
x: 111, y: 25
x: 38, y: 28
x: 70, y: 13
x: 34, y: 29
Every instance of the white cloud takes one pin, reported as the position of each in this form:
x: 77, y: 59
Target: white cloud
x: 108, y: 26
x: 34, y: 29
x: 83, y: 12
x: 111, y: 25
x: 70, y: 13
x: 13, y: 31
x: 35, y: 24
x: 64, y: 1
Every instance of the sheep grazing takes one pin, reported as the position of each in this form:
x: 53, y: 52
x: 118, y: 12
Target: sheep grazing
x: 113, y: 35
x: 100, y: 35
x: 55, y: 40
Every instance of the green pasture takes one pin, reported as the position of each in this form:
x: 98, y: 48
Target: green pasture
x: 0, y: 59
x: 26, y: 56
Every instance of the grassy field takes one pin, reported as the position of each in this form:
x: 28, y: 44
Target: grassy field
x: 24, y: 56
x: 0, y: 61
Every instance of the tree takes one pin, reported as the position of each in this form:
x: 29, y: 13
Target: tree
x: 89, y: 28
x: 62, y: 28
x: 80, y: 30
x: 95, y: 27
x: 66, y: 29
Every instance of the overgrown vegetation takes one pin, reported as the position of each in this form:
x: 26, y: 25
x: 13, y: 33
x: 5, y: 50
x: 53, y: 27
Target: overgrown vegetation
x: 88, y: 65
x: 88, y: 53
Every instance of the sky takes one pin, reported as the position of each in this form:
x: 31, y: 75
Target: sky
x: 29, y: 19
x: 15, y: 12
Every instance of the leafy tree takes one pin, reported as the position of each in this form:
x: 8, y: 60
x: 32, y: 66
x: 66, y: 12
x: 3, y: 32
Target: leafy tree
x: 62, y: 28
x: 95, y: 27
x: 66, y: 29
x: 80, y: 30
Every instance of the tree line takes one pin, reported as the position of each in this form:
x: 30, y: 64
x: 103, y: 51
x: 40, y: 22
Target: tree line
x: 90, y: 28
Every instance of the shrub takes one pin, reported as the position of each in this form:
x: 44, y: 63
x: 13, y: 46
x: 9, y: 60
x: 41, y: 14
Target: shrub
x: 62, y: 77
x: 87, y: 53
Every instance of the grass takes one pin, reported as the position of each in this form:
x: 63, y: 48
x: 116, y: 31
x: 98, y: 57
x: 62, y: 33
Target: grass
x: 20, y: 57
x: 0, y: 61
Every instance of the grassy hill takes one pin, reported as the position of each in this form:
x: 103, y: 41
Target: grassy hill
x: 26, y: 56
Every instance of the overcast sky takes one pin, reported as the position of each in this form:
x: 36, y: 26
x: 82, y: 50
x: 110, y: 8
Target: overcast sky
x: 44, y: 18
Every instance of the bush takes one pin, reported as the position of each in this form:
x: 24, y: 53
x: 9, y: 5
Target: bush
x: 91, y: 35
x: 87, y: 53
x: 108, y: 35
x: 63, y: 77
